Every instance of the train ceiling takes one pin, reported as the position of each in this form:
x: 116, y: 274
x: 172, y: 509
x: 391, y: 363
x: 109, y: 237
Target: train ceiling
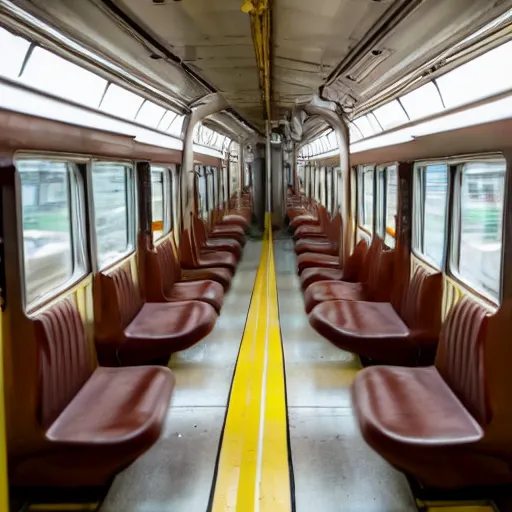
x: 349, y: 51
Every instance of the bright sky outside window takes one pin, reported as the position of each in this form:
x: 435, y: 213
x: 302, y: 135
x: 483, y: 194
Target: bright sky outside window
x: 486, y: 75
x: 390, y: 115
x: 120, y: 102
x: 53, y: 74
x: 422, y: 102
x: 176, y: 125
x: 167, y: 120
x: 13, y: 51
x: 364, y: 126
x: 150, y: 114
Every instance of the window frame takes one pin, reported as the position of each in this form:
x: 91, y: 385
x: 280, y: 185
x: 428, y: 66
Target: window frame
x: 78, y: 214
x: 361, y: 171
x: 418, y: 213
x: 453, y: 242
x: 168, y: 187
x: 131, y: 217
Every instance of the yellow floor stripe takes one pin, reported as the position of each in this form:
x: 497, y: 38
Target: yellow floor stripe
x: 253, y: 472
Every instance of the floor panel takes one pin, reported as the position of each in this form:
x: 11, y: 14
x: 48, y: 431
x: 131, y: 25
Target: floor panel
x: 333, y: 467
x: 177, y: 473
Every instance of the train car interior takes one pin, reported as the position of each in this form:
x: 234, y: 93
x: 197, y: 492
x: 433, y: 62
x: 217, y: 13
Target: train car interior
x: 255, y: 255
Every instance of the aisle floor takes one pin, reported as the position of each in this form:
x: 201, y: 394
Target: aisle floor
x: 333, y: 467
x: 177, y: 472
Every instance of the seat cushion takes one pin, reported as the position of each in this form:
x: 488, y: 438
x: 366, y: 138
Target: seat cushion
x: 220, y: 275
x: 309, y: 231
x: 316, y: 245
x: 223, y: 244
x: 234, y: 219
x: 314, y: 274
x: 163, y: 328
x: 304, y: 219
x: 371, y: 329
x: 210, y: 292
x: 323, y: 291
x: 226, y: 228
x: 115, y: 417
x: 412, y: 418
x: 221, y: 259
x: 311, y: 259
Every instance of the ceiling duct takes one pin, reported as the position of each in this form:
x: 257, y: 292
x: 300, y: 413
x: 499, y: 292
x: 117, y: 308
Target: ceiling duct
x: 363, y: 67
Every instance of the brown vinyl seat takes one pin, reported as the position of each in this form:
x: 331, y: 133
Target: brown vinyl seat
x: 447, y: 425
x: 222, y: 276
x: 352, y: 270
x: 162, y: 286
x: 211, y: 245
x: 316, y: 229
x: 94, y: 421
x: 190, y: 257
x: 377, y: 285
x: 236, y: 219
x: 228, y: 231
x: 129, y: 331
x: 404, y: 334
x: 328, y: 246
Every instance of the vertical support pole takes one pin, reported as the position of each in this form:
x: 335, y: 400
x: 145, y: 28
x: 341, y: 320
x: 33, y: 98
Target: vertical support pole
x: 268, y: 167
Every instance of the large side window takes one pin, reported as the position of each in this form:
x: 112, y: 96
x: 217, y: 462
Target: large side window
x: 52, y: 222
x: 391, y: 205
x: 365, y: 199
x: 201, y: 191
x: 476, y: 257
x: 430, y: 203
x: 215, y: 187
x: 114, y: 215
x: 161, y: 201
x: 380, y: 202
x: 210, y: 203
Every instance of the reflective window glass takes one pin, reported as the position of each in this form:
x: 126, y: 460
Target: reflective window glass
x: 391, y: 205
x: 157, y: 202
x: 12, y: 54
x: 422, y: 102
x: 481, y: 221
x: 150, y: 114
x: 120, y: 102
x: 430, y: 212
x: 50, y: 259
x: 366, y: 176
x: 55, y: 75
x: 114, y: 219
x: 483, y: 76
x: 391, y: 115
x: 364, y: 126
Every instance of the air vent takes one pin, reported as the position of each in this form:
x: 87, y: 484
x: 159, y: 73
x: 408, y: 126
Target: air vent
x: 362, y: 68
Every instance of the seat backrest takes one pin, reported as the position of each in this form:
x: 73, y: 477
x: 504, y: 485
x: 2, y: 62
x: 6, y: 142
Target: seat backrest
x: 161, y: 271
x: 199, y: 231
x: 64, y: 359
x: 334, y: 230
x: 460, y: 356
x: 353, y: 267
x: 380, y: 279
x: 421, y: 310
x: 371, y: 258
x: 188, y: 255
x: 119, y: 303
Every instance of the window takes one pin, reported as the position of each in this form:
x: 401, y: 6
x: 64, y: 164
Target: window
x: 53, y: 251
x: 209, y: 190
x: 120, y: 102
x: 422, y: 102
x: 114, y: 219
x: 322, y: 183
x: 381, y: 202
x: 478, y: 258
x: 366, y: 174
x: 430, y: 212
x: 201, y: 192
x: 391, y: 205
x: 215, y: 187
x: 150, y: 114
x: 14, y: 49
x: 390, y: 115
x: 329, y: 190
x: 161, y: 198
x: 55, y: 75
